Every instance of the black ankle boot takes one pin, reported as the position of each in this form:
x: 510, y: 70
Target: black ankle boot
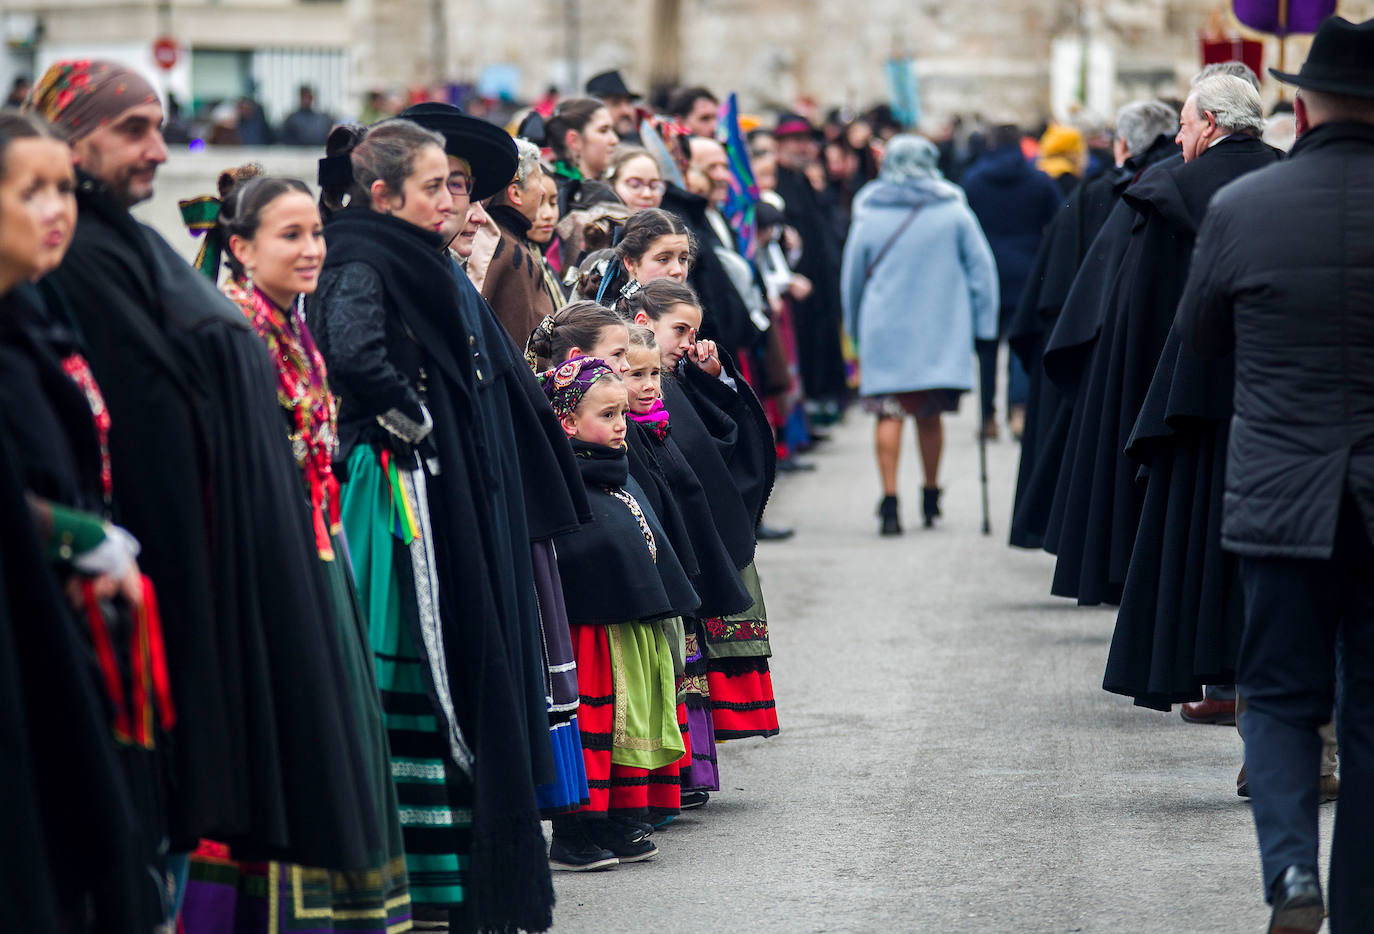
x: 930, y: 504
x: 887, y: 511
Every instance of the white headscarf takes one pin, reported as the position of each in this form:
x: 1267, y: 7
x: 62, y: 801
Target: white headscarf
x: 908, y: 157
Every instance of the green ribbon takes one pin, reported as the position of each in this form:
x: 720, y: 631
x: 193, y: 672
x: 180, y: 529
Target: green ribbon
x: 200, y: 215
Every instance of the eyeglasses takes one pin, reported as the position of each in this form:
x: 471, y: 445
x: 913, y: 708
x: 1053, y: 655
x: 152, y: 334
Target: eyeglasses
x: 460, y: 184
x: 638, y: 184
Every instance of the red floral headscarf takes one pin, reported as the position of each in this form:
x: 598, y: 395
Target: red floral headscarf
x: 78, y: 96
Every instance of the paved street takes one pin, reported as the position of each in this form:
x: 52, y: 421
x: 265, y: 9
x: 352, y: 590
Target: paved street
x: 948, y: 760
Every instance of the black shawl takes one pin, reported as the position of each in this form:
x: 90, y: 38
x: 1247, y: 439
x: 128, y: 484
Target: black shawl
x: 609, y: 574
x: 511, y: 887
x: 660, y: 467
x: 709, y: 439
x: 76, y: 832
x: 265, y: 750
x: 533, y: 491
x: 753, y: 455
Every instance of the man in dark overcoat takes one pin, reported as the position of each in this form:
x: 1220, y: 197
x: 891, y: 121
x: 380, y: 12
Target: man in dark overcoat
x: 1014, y: 203
x: 1284, y: 274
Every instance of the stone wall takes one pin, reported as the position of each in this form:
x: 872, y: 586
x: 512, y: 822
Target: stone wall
x: 992, y: 57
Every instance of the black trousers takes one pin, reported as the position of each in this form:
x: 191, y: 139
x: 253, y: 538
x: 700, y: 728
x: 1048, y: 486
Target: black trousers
x: 1295, y: 609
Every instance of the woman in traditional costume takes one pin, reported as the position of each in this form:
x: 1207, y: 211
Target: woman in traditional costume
x: 273, y: 239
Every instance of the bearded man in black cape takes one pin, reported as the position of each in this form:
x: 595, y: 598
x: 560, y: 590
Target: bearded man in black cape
x: 1220, y: 124
x: 265, y: 751
x: 1144, y: 135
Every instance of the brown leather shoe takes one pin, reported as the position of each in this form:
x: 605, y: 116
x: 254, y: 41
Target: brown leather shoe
x: 1330, y: 789
x: 1016, y: 421
x: 1218, y: 712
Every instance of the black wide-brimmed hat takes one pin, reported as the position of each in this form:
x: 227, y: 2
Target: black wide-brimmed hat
x: 609, y: 84
x: 488, y: 149
x: 1341, y: 60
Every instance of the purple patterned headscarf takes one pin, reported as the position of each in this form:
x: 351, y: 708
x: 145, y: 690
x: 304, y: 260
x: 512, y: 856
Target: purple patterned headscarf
x: 567, y: 383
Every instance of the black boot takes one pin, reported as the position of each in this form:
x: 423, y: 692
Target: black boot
x: 930, y: 504
x: 887, y: 511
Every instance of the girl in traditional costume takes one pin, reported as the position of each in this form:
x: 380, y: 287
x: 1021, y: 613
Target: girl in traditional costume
x: 722, y: 434
x: 621, y: 579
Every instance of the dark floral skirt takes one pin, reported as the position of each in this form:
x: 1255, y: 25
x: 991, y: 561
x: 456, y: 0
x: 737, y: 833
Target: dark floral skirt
x: 921, y: 404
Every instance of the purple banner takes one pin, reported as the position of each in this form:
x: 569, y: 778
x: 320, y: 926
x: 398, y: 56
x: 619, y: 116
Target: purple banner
x: 1284, y: 17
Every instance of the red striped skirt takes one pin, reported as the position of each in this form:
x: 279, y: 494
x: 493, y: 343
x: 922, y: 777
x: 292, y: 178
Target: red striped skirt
x: 614, y: 789
x: 742, y: 701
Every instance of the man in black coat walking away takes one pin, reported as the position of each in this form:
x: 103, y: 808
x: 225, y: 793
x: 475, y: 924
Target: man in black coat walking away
x: 1284, y: 274
x: 1014, y: 202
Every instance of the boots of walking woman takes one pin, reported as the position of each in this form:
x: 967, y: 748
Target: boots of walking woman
x: 930, y: 504
x: 887, y: 511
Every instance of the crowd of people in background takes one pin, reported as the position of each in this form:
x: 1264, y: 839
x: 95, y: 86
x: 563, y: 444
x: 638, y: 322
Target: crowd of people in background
x: 424, y: 506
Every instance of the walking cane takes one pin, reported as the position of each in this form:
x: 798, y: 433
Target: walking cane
x: 983, y: 461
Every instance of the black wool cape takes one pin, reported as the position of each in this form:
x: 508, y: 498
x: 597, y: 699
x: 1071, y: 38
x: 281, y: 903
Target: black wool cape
x: 1101, y: 501
x: 510, y: 883
x: 660, y: 467
x: 609, y: 575
x: 265, y: 749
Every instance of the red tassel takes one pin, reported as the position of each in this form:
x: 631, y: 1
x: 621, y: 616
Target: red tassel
x: 157, y: 657
x: 105, y: 658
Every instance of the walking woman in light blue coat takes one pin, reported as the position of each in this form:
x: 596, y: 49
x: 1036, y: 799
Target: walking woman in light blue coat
x: 919, y: 285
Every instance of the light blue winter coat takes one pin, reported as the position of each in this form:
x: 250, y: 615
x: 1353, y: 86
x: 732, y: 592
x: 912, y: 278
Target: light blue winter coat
x: 913, y: 322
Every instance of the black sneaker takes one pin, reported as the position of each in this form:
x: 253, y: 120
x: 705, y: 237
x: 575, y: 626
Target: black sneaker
x: 627, y: 844
x: 574, y: 850
x: 694, y: 799
x: 639, y: 827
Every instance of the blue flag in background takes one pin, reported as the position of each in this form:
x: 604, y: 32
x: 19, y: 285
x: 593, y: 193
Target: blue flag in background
x: 903, y: 91
x: 740, y: 206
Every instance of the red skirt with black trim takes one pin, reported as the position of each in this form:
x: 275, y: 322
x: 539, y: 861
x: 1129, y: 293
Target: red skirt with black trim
x: 615, y: 789
x: 742, y: 701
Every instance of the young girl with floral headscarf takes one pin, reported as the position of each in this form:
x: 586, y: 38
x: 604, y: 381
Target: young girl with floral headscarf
x: 621, y: 580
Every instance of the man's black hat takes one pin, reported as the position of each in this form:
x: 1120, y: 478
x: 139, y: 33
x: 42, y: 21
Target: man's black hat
x: 488, y: 149
x: 1341, y: 60
x: 610, y: 84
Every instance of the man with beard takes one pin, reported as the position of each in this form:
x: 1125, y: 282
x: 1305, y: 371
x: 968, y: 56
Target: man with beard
x: 1097, y: 499
x: 726, y: 317
x: 1144, y: 136
x: 1283, y: 278
x: 609, y: 87
x: 266, y: 754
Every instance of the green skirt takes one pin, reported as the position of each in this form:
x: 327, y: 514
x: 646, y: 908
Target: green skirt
x: 384, y: 519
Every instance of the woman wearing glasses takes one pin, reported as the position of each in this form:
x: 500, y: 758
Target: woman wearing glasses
x: 636, y: 178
